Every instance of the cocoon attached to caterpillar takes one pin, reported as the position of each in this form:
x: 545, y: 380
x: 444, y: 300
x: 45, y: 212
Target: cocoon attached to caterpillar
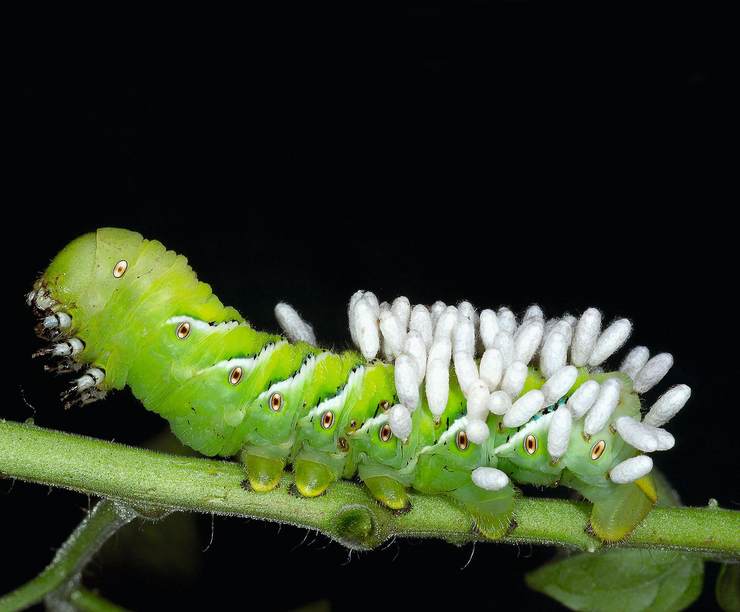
x: 463, y: 404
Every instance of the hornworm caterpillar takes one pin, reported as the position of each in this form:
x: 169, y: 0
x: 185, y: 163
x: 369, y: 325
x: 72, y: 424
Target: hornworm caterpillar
x: 461, y: 403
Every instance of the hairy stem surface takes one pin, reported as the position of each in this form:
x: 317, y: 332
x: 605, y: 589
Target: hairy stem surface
x: 154, y: 482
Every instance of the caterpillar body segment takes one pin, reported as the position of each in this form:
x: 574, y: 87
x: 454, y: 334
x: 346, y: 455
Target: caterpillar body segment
x: 462, y: 404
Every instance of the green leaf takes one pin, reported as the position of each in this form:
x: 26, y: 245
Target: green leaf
x: 622, y: 579
x: 728, y: 587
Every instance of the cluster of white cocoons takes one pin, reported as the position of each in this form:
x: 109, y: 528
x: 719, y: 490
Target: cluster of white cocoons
x: 491, y: 352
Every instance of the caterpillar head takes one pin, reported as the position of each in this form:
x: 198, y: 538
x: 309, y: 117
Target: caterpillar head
x: 83, y: 277
x: 71, y: 297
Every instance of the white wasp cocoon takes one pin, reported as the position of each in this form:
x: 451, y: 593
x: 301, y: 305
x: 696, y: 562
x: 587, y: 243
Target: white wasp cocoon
x: 528, y: 339
x: 665, y: 440
x: 491, y: 368
x: 441, y: 350
x: 636, y: 434
x: 504, y: 342
x: 506, y: 320
x: 445, y: 324
x: 524, y: 408
x: 466, y: 370
x: 477, y: 431
x: 585, y: 336
x: 631, y: 469
x: 489, y: 478
x: 401, y: 309
x: 438, y: 385
x: 514, y: 378
x: 372, y: 300
x: 499, y: 402
x: 407, y: 381
x: 549, y: 325
x: 562, y: 327
x: 610, y: 340
x: 356, y: 296
x: 477, y: 407
x: 603, y: 408
x: 634, y: 361
x: 534, y: 312
x: 293, y: 325
x: 570, y: 320
x: 366, y: 329
x: 488, y: 324
x: 463, y: 336
x: 667, y: 405
x: 399, y: 419
x: 393, y: 332
x: 583, y: 398
x: 436, y: 310
x: 420, y: 321
x: 653, y: 372
x: 351, y: 315
x: 559, y: 383
x: 466, y: 310
x: 554, y: 354
x: 414, y: 346
x: 558, y: 434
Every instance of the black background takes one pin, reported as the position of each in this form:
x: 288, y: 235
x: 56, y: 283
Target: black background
x: 499, y: 154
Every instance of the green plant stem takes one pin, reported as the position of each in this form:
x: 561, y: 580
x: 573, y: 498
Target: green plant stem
x: 61, y: 578
x: 87, y: 601
x: 346, y: 513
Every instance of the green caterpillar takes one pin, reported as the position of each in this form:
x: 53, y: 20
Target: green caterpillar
x: 459, y: 406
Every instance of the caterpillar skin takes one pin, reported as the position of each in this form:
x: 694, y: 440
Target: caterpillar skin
x: 134, y: 314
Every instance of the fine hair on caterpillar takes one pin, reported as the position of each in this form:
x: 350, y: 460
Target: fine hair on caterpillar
x: 439, y: 399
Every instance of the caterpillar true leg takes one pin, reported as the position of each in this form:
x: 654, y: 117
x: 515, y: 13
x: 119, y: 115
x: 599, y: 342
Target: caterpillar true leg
x: 67, y: 348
